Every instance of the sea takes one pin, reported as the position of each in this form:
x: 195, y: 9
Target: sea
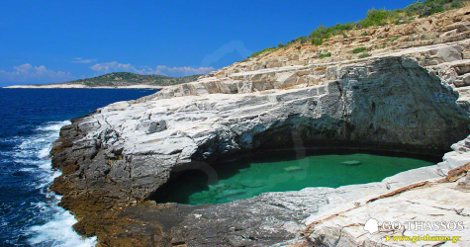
x: 30, y: 121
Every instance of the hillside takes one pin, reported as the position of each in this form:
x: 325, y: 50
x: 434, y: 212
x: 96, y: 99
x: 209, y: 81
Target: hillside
x: 128, y: 79
x: 374, y: 18
x: 359, y: 43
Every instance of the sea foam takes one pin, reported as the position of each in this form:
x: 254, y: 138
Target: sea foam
x: 57, y: 231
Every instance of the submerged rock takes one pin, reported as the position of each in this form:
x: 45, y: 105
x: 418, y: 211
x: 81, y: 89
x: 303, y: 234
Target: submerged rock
x: 230, y: 193
x: 219, y: 186
x: 351, y: 162
x: 293, y: 169
x: 252, y: 184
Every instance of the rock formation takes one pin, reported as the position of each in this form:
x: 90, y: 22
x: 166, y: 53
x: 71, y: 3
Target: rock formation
x: 411, y: 100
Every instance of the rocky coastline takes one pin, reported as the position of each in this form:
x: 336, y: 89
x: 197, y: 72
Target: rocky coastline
x: 413, y: 99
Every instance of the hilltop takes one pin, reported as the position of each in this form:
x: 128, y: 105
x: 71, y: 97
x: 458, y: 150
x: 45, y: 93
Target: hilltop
x: 119, y: 80
x: 128, y: 79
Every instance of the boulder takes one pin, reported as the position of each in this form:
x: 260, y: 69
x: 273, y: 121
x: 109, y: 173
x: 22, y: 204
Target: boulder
x: 450, y: 54
x: 466, y: 79
x: 156, y: 126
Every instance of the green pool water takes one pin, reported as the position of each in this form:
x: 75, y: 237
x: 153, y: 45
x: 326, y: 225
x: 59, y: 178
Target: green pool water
x: 250, y: 178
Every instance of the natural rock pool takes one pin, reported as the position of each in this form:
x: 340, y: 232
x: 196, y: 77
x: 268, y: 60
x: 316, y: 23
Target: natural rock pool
x: 250, y: 177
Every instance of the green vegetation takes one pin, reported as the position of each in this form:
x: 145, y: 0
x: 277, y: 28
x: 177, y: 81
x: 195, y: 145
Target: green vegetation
x: 317, y: 41
x: 128, y: 79
x: 323, y: 55
x: 364, y: 55
x: 395, y: 38
x: 301, y: 40
x: 263, y: 51
x: 359, y: 50
x: 375, y: 17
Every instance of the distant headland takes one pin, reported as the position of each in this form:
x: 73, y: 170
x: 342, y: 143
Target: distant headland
x: 118, y: 80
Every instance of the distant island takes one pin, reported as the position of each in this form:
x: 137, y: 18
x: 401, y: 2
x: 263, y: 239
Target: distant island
x: 120, y: 80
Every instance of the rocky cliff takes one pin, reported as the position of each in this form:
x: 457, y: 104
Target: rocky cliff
x: 116, y: 160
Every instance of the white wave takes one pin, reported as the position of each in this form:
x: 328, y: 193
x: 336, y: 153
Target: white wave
x: 53, y: 126
x: 44, y: 153
x: 46, y: 181
x: 32, y: 144
x: 58, y: 230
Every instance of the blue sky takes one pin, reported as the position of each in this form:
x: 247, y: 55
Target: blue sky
x: 56, y: 41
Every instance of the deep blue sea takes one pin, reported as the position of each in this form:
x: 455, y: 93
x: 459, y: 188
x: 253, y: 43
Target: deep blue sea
x: 30, y: 120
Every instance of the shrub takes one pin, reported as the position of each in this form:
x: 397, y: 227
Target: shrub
x: 302, y: 39
x: 429, y: 7
x: 280, y: 45
x: 395, y: 38
x: 376, y: 17
x: 359, y: 50
x: 364, y: 55
x: 321, y: 33
x: 323, y: 55
x: 317, y: 41
x: 263, y: 51
x: 317, y: 33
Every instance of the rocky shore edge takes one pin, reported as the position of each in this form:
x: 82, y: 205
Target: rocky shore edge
x: 413, y: 96
x: 310, y: 217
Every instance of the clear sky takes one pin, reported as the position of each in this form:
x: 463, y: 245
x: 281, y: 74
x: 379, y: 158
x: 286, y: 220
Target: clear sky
x: 56, y: 41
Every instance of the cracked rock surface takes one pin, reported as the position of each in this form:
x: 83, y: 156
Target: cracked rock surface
x: 434, y: 202
x: 115, y: 160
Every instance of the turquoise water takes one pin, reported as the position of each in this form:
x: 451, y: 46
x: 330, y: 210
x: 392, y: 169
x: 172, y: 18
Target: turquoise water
x: 245, y: 179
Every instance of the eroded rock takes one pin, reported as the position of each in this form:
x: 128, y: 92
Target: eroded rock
x: 114, y: 160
